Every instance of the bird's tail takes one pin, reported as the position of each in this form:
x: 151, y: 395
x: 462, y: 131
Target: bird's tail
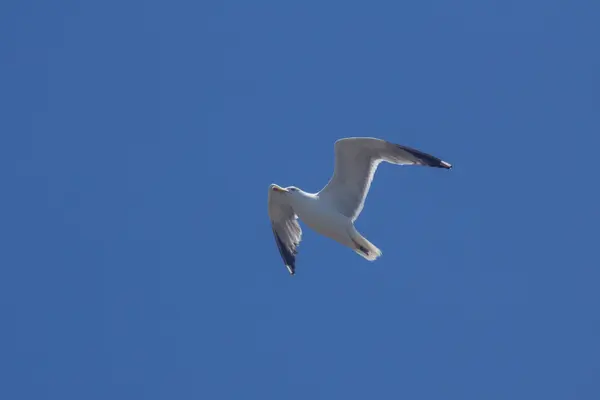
x: 363, y: 247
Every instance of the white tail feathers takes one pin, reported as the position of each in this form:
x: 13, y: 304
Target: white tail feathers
x: 363, y: 247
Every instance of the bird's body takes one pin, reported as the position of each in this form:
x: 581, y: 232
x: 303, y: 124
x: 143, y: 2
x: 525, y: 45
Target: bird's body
x: 332, y: 211
x: 318, y: 214
x: 321, y: 216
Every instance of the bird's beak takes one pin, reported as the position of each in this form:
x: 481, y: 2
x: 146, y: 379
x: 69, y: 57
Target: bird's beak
x: 279, y: 189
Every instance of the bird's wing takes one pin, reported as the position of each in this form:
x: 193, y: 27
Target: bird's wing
x: 286, y: 229
x: 356, y: 160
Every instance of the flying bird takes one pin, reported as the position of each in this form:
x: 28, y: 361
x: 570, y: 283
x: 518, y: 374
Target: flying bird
x: 333, y: 210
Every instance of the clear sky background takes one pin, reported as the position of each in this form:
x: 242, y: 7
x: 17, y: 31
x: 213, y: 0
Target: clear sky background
x: 137, y: 143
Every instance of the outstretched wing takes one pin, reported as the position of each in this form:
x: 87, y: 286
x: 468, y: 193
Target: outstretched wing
x: 286, y: 229
x: 356, y: 160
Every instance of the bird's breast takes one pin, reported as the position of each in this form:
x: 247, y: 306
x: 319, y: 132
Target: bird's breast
x: 321, y: 217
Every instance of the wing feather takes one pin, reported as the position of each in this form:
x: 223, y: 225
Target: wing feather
x: 356, y: 160
x: 286, y: 229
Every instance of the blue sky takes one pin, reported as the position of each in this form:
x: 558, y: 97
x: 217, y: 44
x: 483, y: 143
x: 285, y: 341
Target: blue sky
x: 138, y: 140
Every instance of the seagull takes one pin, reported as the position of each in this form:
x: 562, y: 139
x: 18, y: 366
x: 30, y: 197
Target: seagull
x: 333, y: 210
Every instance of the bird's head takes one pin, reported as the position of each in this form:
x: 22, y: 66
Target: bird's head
x: 287, y: 190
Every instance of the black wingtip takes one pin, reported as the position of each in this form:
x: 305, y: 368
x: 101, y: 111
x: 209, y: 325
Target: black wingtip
x: 289, y: 257
x: 426, y: 159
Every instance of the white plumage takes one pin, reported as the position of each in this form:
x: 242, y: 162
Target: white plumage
x: 332, y: 211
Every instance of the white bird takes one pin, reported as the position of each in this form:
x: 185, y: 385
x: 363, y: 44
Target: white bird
x: 333, y: 210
